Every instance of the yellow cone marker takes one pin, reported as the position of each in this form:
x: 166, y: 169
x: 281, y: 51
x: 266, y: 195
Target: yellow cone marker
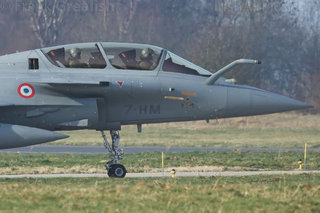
x: 173, y: 173
x: 300, y: 164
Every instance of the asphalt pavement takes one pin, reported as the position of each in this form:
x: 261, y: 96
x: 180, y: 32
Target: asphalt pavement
x: 160, y: 174
x: 61, y: 149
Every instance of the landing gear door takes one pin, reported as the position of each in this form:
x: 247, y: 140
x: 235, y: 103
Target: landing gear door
x: 104, y: 111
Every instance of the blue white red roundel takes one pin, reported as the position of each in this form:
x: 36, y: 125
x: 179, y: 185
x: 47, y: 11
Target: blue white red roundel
x: 26, y: 90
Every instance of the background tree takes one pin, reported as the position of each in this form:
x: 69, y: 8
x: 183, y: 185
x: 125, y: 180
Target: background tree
x: 284, y: 34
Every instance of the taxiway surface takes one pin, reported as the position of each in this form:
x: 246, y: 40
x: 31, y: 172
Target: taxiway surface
x: 62, y: 149
x: 160, y: 174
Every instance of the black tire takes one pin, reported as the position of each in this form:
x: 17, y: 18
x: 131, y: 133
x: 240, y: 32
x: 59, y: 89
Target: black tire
x: 117, y: 171
x: 111, y: 171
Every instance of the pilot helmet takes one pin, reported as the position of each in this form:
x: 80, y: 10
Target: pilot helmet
x: 75, y: 52
x: 146, y: 53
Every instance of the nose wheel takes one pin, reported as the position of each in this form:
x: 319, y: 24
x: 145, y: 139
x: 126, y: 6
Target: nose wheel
x: 114, y: 169
x: 117, y: 171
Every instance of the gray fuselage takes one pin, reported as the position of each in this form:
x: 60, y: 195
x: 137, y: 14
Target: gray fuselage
x: 66, y: 98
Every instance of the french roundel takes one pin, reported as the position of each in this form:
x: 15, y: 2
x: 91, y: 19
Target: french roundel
x: 26, y: 90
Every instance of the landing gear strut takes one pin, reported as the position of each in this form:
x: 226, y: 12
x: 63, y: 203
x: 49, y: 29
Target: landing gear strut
x: 115, y: 170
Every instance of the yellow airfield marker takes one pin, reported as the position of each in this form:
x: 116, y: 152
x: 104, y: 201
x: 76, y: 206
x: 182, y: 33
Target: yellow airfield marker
x: 305, y: 157
x: 162, y: 163
x: 300, y: 164
x: 173, y: 173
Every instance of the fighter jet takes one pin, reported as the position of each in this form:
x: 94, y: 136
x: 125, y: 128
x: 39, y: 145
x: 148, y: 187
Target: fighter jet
x: 102, y: 86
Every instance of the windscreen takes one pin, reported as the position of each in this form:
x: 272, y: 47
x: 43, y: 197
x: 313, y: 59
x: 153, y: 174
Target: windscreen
x: 174, y: 63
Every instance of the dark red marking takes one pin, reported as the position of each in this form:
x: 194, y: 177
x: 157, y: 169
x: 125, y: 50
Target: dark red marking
x: 120, y: 83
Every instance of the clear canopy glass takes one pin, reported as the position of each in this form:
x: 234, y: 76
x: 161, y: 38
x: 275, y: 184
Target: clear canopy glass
x: 132, y: 56
x: 76, y: 56
x: 126, y: 56
x: 174, y: 63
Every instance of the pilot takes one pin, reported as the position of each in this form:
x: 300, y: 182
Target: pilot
x: 146, y: 57
x: 74, y: 60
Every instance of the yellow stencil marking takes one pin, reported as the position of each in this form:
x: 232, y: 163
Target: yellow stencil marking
x: 174, y: 98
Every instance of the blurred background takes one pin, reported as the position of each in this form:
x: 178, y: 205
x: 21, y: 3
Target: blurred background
x: 284, y: 34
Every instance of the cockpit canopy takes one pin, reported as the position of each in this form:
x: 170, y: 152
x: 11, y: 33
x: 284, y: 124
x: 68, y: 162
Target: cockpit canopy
x: 133, y: 56
x: 174, y: 63
x: 76, y: 56
x: 121, y: 56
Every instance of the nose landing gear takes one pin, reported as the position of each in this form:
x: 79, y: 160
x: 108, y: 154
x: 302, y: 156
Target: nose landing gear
x: 114, y: 169
x: 117, y: 171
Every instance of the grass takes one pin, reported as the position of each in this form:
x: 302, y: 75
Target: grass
x: 300, y: 193
x: 276, y: 130
x: 276, y: 193
x: 151, y: 162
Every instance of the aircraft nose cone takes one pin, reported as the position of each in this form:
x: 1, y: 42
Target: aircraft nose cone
x: 244, y: 101
x: 267, y: 102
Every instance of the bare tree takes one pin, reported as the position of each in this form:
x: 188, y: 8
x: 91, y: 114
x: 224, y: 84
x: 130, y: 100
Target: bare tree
x: 125, y: 14
x: 46, y: 20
